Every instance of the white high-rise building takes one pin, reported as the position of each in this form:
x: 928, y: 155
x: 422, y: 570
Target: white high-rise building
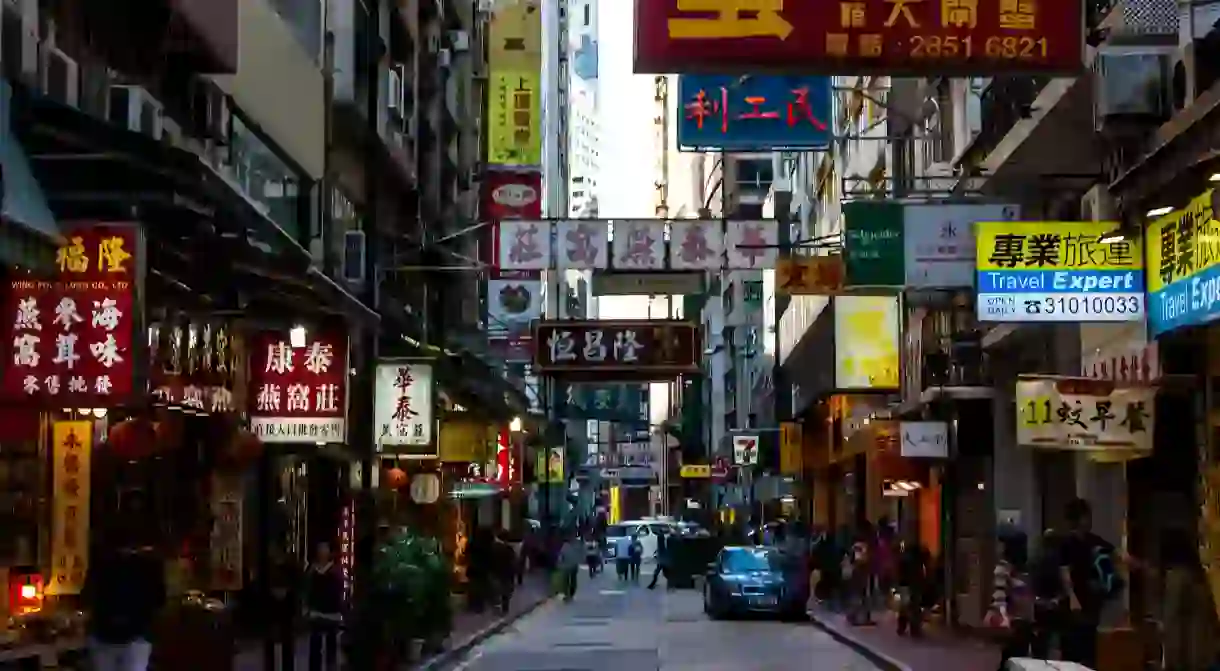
x: 583, y: 138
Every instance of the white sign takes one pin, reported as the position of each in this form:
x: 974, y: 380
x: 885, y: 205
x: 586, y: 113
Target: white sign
x: 1084, y: 415
x: 512, y: 306
x: 925, y: 439
x: 298, y: 429
x: 939, y: 244
x: 696, y: 244
x: 403, y: 404
x: 582, y: 244
x: 639, y: 244
x: 524, y: 245
x: 745, y: 450
x: 751, y: 245
x: 1121, y: 353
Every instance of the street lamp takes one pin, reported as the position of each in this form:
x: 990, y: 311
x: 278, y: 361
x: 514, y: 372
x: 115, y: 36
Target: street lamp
x: 296, y: 336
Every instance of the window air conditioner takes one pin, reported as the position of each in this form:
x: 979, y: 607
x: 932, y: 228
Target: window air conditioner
x: 1132, y: 87
x: 136, y: 110
x: 459, y: 40
x: 60, y: 77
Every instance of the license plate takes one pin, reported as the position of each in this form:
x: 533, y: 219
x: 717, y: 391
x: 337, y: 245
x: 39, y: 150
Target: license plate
x: 763, y: 600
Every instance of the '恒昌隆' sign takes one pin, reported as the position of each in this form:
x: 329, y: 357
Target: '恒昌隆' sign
x: 298, y: 394
x: 1085, y: 415
x: 754, y: 113
x: 911, y: 37
x: 1057, y: 271
x: 621, y: 350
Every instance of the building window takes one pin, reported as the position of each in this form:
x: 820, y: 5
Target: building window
x: 266, y: 178
x: 588, y: 15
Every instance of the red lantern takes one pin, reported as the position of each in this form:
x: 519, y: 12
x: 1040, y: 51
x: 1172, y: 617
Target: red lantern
x: 396, y: 478
x: 132, y: 439
x: 244, y: 449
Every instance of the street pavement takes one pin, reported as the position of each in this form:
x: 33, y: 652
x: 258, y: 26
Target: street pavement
x: 614, y: 625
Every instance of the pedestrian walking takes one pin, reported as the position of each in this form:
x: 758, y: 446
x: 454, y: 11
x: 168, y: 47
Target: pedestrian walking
x: 324, y: 609
x: 914, y: 564
x: 570, y: 556
x: 505, y: 571
x: 857, y: 573
x: 284, y: 584
x: 593, y: 555
x: 636, y: 553
x: 1012, y: 600
x: 1088, y: 570
x: 124, y: 590
x: 663, y: 561
x: 622, y: 556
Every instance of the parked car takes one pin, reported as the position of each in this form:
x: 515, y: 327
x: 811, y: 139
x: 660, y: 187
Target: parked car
x: 747, y: 579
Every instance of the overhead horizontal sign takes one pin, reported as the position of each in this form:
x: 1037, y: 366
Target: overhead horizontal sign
x: 1184, y: 265
x: 1085, y: 415
x: 921, y: 38
x: 809, y: 275
x: 621, y: 283
x: 1057, y: 271
x: 623, y: 350
x: 754, y: 113
x: 696, y: 471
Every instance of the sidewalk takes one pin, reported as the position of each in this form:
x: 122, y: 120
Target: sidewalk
x: 938, y: 650
x: 469, y: 629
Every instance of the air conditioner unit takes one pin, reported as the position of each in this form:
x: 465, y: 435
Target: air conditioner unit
x: 136, y: 110
x: 395, y: 95
x: 1132, y: 87
x: 445, y: 58
x: 459, y: 40
x: 60, y: 77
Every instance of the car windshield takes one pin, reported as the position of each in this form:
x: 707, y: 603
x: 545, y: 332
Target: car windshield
x: 744, y: 561
x: 616, y: 531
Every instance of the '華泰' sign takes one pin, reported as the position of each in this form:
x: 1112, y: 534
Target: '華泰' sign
x: 1057, y: 271
x: 1085, y: 415
x: 403, y: 410
x: 911, y: 37
x: 298, y: 394
x: 754, y: 113
x: 1183, y: 250
x: 617, y: 350
x: 71, y: 336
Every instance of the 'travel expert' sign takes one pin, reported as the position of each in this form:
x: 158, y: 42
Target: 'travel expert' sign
x: 1057, y: 271
x: 911, y: 37
x: 1184, y: 266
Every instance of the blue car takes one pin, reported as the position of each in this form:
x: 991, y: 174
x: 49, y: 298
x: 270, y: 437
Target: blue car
x: 750, y: 580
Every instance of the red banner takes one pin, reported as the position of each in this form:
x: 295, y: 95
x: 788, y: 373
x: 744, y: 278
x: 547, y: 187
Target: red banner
x: 508, y: 194
x: 919, y: 38
x: 71, y: 336
x: 298, y: 394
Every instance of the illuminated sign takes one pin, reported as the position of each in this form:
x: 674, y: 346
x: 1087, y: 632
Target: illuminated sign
x: 1183, y: 250
x: 911, y: 37
x: 754, y: 113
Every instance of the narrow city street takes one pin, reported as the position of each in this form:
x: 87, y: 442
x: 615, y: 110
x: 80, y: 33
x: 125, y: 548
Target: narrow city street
x: 612, y: 625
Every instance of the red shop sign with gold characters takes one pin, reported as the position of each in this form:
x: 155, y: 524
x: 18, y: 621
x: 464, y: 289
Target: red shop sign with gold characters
x: 71, y: 335
x: 298, y: 394
x: 897, y: 37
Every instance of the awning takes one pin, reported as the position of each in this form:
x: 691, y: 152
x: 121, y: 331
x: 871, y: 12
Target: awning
x: 21, y: 199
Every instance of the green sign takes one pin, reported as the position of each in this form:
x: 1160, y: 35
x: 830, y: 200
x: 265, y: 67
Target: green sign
x: 873, y: 245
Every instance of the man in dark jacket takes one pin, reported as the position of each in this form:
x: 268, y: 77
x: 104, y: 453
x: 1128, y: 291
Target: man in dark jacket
x: 324, y: 602
x: 124, y: 590
x: 284, y: 585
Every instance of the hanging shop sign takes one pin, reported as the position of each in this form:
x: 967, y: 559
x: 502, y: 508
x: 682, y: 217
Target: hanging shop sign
x: 403, y: 409
x: 72, y: 450
x: 621, y: 403
x: 745, y: 450
x: 790, y: 451
x: 299, y: 393
x: 71, y: 335
x: 924, y: 439
x: 750, y: 245
x: 872, y: 243
x: 755, y: 113
x: 549, y: 467
x: 1085, y: 415
x: 514, y: 95
x: 639, y: 244
x: 809, y: 275
x: 226, y: 538
x: 1057, y: 271
x: 582, y: 244
x: 463, y: 438
x: 1183, y: 249
x: 867, y: 331
x: 347, y: 546
x: 194, y: 366
x: 508, y: 470
x: 695, y: 245
x: 512, y: 307
x: 919, y: 38
x: 622, y: 350
x: 507, y: 194
x: 938, y: 241
x: 696, y: 471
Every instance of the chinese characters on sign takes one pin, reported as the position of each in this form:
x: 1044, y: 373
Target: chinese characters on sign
x: 1184, y: 266
x: 72, y: 450
x: 582, y: 244
x: 754, y: 113
x: 809, y: 275
x: 623, y: 350
x: 404, y: 417
x: 938, y: 240
x: 1084, y: 415
x: 524, y: 245
x: 639, y: 245
x: 71, y: 336
x: 1057, y: 272
x: 695, y: 245
x: 514, y: 94
x: 914, y: 37
x: 226, y: 539
x: 298, y: 394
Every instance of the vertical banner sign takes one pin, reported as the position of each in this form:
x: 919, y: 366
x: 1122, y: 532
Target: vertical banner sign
x: 347, y: 547
x: 1085, y: 415
x: 71, y: 336
x: 512, y: 297
x: 403, y: 412
x: 514, y: 93
x: 790, y: 454
x: 549, y: 468
x: 1057, y: 271
x: 226, y: 541
x: 72, y: 449
x: 867, y: 330
x: 1183, y: 249
x: 506, y: 463
x: 299, y: 394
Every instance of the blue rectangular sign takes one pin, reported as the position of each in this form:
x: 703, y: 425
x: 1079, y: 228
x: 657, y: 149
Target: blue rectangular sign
x: 754, y: 112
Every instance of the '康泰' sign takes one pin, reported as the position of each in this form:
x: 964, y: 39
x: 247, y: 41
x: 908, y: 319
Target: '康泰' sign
x: 908, y: 37
x: 1057, y: 271
x: 754, y: 113
x: 622, y: 350
x: 298, y: 394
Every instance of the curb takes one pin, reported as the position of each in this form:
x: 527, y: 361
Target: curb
x: 457, y: 652
x: 876, y: 657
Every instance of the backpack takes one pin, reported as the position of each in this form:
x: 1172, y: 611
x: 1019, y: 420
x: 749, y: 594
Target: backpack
x: 1108, y: 582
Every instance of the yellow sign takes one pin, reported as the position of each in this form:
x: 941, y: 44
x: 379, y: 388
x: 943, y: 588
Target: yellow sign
x: 809, y: 275
x: 1182, y: 244
x: 790, y: 454
x: 1053, y: 245
x: 696, y: 471
x: 867, y: 330
x: 71, y: 448
x: 549, y: 468
x: 514, y: 93
x: 464, y: 440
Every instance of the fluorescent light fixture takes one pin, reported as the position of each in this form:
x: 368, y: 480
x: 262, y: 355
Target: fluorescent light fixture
x: 1160, y: 211
x: 85, y: 412
x: 1112, y: 237
x: 296, y: 336
x: 1215, y: 177
x: 99, y: 412
x: 516, y: 425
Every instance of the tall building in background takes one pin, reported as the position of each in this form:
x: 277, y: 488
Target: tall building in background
x: 583, y: 142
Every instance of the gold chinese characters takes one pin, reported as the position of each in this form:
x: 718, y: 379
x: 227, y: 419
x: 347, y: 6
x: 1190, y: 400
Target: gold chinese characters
x: 112, y: 255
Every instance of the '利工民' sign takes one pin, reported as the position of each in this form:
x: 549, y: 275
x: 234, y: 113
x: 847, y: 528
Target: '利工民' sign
x: 754, y: 112
x: 1057, y: 271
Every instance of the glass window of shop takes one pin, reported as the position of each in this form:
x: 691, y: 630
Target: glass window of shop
x: 267, y: 178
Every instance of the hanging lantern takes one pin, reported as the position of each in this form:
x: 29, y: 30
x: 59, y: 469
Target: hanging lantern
x: 132, y: 439
x: 395, y: 478
x: 243, y: 449
x: 425, y: 488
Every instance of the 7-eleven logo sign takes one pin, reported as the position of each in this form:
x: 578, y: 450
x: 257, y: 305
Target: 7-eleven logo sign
x: 745, y: 450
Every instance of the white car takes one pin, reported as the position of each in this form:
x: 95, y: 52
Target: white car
x: 648, y: 531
